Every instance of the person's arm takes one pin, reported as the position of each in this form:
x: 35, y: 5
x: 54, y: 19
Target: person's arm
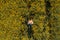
x: 32, y: 22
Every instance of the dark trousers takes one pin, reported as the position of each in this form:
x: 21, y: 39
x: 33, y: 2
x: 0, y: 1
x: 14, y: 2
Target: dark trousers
x: 29, y: 30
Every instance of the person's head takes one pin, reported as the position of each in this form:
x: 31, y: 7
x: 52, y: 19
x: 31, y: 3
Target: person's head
x: 30, y: 19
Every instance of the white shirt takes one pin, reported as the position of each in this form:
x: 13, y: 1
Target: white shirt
x: 30, y: 22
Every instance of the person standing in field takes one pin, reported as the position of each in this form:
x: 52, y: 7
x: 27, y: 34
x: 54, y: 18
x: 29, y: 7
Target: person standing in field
x: 30, y: 23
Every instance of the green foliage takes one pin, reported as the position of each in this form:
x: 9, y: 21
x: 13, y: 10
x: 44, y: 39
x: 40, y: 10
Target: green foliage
x: 14, y: 13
